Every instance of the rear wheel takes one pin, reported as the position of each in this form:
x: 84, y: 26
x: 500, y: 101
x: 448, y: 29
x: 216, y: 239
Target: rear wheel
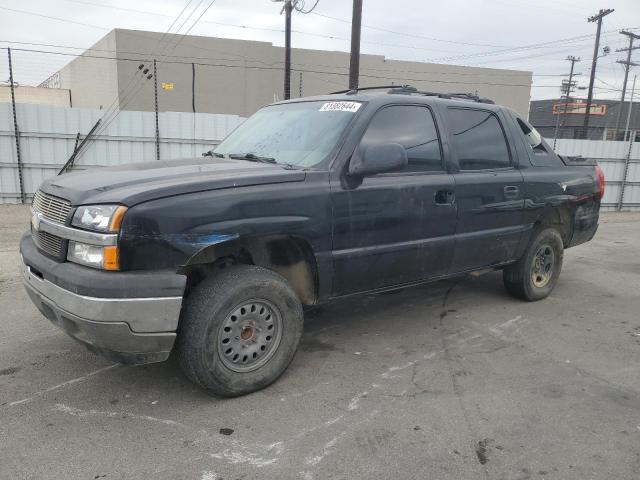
x: 239, y: 330
x: 535, y: 275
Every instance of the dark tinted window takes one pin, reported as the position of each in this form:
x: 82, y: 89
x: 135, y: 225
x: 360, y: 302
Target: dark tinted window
x: 413, y: 128
x: 479, y: 140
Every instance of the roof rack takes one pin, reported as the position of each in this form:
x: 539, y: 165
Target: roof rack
x: 410, y: 89
x: 353, y: 91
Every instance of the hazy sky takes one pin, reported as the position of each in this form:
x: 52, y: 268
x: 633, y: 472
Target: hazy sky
x: 463, y: 32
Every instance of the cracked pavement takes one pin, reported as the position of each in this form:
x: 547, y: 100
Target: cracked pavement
x: 453, y: 380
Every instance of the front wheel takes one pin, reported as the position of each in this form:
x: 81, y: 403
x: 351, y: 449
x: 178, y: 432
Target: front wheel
x: 239, y: 330
x: 534, y: 276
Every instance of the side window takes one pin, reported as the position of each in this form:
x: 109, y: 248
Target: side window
x: 478, y: 139
x: 543, y: 155
x: 413, y: 128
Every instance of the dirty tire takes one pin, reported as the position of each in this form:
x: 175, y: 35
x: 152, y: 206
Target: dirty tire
x: 527, y: 279
x: 207, y: 313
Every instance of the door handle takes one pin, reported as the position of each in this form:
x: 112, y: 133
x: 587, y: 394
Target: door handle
x: 444, y: 197
x: 511, y: 191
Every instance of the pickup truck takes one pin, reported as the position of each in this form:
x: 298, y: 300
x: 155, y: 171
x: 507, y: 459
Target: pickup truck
x: 309, y: 200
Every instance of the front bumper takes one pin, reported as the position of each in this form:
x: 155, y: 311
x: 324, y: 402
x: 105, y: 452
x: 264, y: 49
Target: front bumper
x: 112, y: 321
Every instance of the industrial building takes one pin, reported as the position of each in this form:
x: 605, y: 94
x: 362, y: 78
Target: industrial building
x: 56, y: 97
x: 568, y: 117
x: 219, y: 75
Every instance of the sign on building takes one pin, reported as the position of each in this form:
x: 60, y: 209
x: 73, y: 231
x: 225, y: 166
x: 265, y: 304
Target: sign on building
x: 579, y: 108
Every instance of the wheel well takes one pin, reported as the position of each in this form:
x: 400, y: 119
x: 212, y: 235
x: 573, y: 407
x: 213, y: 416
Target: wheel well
x: 290, y: 256
x: 559, y: 218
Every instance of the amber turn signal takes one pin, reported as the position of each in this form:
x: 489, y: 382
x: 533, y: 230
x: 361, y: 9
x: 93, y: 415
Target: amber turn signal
x: 116, y: 219
x: 111, y: 258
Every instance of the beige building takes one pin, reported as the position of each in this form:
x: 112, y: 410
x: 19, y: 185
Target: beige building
x: 218, y: 75
x: 45, y: 96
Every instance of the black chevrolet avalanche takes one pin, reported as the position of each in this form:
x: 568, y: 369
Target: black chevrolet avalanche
x: 307, y: 201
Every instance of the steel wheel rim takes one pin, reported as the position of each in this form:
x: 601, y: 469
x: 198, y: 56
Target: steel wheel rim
x: 249, y: 335
x: 543, y: 266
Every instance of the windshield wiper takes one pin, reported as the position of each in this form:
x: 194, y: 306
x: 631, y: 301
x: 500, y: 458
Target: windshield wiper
x: 211, y: 153
x: 251, y: 157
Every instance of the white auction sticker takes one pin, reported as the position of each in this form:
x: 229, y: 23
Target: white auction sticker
x: 340, y: 107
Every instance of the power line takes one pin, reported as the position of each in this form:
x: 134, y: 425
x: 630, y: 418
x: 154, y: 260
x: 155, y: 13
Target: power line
x: 381, y: 77
x: 140, y: 72
x: 300, y: 6
x: 246, y: 27
x: 125, y: 101
x: 514, y: 49
x: 412, y: 35
x: 53, y: 18
x: 297, y: 66
x: 148, y: 57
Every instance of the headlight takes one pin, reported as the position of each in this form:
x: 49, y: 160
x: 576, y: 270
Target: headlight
x: 99, y: 218
x: 104, y: 258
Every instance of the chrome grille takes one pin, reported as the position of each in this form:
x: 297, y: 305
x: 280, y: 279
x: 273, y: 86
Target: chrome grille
x: 52, y: 208
x: 51, y: 244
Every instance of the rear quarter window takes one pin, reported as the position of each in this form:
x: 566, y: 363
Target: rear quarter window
x: 542, y: 155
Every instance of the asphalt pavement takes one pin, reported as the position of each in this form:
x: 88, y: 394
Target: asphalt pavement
x: 453, y: 380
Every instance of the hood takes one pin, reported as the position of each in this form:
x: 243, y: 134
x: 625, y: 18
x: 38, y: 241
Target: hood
x: 140, y: 182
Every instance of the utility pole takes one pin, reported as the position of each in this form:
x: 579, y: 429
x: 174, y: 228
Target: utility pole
x: 288, y: 8
x: 596, y: 18
x: 567, y: 92
x: 627, y: 64
x: 633, y: 91
x: 356, y: 28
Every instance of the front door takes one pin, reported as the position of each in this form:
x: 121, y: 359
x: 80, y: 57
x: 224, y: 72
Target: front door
x: 489, y: 190
x: 395, y: 228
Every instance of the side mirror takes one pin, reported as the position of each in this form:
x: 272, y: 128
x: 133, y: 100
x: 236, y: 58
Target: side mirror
x: 388, y: 157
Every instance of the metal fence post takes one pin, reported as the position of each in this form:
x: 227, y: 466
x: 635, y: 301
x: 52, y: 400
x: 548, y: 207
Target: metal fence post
x: 155, y: 99
x: 15, y: 127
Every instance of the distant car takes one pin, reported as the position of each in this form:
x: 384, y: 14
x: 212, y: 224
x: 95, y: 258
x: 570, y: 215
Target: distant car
x: 307, y: 201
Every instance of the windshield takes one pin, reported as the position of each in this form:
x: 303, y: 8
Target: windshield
x: 301, y: 134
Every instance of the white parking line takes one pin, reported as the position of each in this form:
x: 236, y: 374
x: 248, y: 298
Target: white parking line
x: 62, y: 385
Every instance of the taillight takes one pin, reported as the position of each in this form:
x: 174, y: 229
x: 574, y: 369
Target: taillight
x: 600, y: 176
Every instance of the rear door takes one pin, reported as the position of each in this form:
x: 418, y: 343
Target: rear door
x: 489, y: 189
x: 395, y: 228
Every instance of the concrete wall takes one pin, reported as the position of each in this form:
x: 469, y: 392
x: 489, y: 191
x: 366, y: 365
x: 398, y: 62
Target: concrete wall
x: 240, y: 76
x: 92, y: 81
x: 37, y: 95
